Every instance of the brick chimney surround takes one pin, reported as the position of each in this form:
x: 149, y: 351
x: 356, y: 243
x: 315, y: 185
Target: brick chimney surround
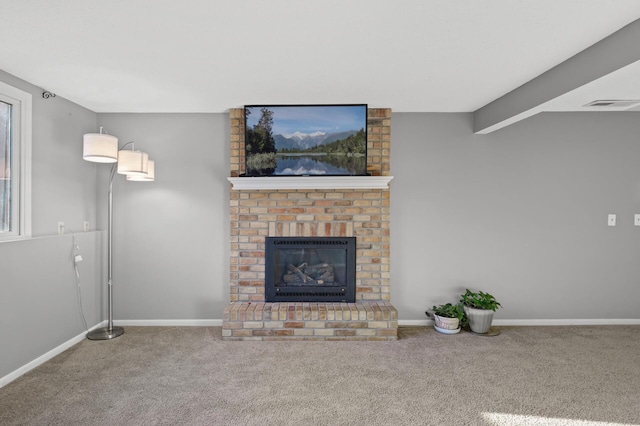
x: 351, y: 206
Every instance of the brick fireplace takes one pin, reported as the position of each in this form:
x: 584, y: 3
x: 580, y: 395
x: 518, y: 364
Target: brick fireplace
x: 311, y: 207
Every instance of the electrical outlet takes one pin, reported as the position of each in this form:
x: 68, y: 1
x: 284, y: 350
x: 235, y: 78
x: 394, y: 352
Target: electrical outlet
x: 86, y: 226
x: 636, y: 219
x: 60, y: 228
x: 611, y: 220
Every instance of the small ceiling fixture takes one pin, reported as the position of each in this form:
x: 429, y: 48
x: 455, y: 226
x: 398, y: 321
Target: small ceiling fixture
x: 613, y: 104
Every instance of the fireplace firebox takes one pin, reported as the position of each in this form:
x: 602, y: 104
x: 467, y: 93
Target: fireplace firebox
x: 315, y: 269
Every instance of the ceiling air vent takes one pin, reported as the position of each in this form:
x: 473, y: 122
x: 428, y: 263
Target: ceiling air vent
x: 612, y: 105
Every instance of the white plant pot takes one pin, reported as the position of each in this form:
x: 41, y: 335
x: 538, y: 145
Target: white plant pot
x: 446, y: 325
x: 479, y: 319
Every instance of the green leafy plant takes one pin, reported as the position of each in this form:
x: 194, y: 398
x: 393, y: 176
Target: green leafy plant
x: 449, y: 310
x: 479, y: 300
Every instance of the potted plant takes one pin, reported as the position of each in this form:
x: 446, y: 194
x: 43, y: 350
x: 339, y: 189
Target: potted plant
x: 479, y: 308
x: 448, y: 318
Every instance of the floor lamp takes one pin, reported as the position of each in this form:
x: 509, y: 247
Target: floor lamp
x: 103, y: 148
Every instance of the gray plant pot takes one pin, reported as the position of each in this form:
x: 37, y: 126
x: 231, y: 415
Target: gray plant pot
x: 479, y: 319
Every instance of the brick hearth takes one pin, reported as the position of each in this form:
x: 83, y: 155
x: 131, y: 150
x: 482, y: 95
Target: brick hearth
x: 310, y: 321
x: 363, y: 213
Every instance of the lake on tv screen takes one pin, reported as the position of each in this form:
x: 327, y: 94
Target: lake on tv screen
x: 320, y: 165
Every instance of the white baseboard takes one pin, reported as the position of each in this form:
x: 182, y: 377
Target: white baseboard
x: 170, y: 323
x: 537, y: 322
x: 415, y: 323
x: 551, y: 322
x: 406, y: 323
x: 46, y: 357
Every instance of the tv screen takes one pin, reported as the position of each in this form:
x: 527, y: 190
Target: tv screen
x: 305, y: 140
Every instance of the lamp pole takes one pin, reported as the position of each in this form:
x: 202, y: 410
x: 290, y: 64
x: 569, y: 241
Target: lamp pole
x: 110, y: 331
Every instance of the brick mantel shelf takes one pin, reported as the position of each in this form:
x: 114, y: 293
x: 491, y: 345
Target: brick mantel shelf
x: 310, y: 182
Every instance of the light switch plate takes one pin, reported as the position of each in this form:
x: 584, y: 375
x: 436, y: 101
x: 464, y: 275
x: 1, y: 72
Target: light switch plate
x: 611, y: 220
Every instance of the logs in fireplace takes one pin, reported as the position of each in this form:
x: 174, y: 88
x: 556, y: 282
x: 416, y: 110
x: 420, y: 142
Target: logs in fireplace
x: 317, y: 269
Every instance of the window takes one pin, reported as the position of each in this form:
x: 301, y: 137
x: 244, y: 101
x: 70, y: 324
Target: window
x: 15, y: 163
x: 6, y: 207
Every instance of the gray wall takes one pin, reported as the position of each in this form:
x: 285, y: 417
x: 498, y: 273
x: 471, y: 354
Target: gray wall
x: 520, y: 213
x: 38, y: 293
x: 39, y: 307
x: 171, y: 236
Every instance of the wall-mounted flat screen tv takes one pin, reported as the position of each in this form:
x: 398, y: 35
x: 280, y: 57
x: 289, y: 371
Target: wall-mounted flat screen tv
x: 305, y: 140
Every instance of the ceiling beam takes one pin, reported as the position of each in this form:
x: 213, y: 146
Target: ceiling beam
x: 612, y: 53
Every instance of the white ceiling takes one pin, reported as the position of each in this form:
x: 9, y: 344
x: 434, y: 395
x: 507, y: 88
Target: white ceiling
x: 212, y: 55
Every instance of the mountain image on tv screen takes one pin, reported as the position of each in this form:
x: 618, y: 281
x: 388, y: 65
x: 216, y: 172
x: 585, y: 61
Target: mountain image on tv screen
x: 305, y: 140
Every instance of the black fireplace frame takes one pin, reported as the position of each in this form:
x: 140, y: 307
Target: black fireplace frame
x: 342, y: 292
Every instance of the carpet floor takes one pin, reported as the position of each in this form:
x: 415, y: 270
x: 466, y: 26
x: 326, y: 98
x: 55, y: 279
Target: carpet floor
x: 568, y: 376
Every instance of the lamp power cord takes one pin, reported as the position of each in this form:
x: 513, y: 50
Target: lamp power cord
x: 77, y: 258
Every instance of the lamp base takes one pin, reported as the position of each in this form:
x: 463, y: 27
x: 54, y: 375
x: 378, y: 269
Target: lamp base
x: 105, y: 333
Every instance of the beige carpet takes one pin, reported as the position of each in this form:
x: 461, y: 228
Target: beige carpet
x: 572, y: 376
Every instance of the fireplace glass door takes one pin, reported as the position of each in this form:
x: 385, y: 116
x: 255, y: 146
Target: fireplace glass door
x: 317, y: 269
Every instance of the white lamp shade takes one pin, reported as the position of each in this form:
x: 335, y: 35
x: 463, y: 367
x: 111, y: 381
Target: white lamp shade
x: 149, y: 177
x: 133, y: 162
x: 100, y: 148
